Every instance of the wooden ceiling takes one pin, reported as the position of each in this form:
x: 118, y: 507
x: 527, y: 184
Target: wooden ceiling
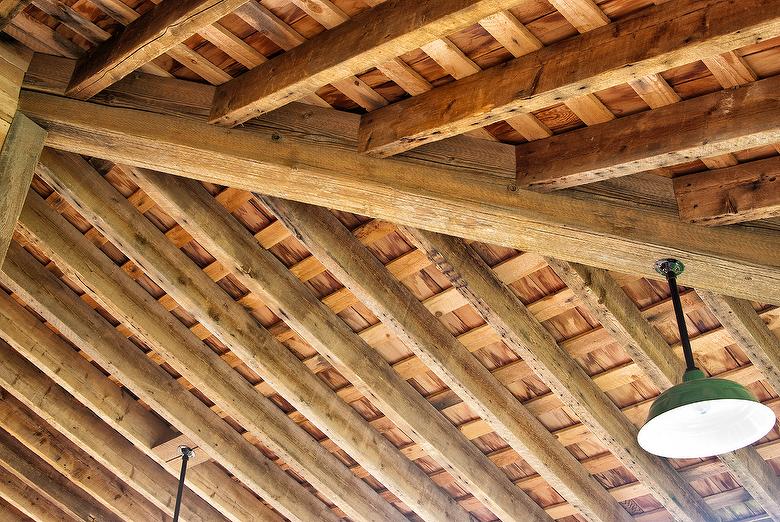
x: 473, y: 331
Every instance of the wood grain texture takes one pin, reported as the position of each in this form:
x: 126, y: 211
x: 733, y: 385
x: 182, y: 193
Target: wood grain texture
x: 90, y: 397
x: 730, y: 195
x: 9, y: 9
x: 29, y: 501
x: 81, y: 469
x: 717, y: 123
x: 366, y: 40
x: 355, y: 266
x: 655, y: 40
x: 59, y: 305
x: 525, y: 335
x: 18, y: 158
x: 257, y: 269
x: 461, y: 202
x: 159, y: 30
x: 30, y: 469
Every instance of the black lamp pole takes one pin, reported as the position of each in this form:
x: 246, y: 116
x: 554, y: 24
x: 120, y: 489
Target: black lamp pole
x: 186, y: 454
x: 671, y: 268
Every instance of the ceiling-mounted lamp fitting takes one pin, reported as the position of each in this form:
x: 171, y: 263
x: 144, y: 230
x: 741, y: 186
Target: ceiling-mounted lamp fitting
x: 703, y: 416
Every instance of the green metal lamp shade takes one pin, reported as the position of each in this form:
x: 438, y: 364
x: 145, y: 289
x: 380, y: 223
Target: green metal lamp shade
x: 703, y: 417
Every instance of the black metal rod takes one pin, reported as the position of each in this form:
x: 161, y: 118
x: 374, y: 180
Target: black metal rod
x: 186, y: 453
x: 690, y: 364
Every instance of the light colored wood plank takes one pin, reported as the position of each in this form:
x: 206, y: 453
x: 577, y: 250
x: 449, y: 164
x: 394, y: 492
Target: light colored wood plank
x: 9, y: 9
x: 653, y: 41
x: 590, y: 109
x: 136, y: 463
x: 730, y: 195
x: 324, y: 11
x: 360, y: 92
x: 584, y: 15
x: 371, y: 38
x: 213, y: 227
x: 450, y: 58
x: 232, y: 45
x: 18, y: 158
x: 161, y: 29
x: 78, y: 467
x: 655, y: 91
x: 710, y: 125
x: 354, y: 265
x: 407, y: 78
x: 27, y: 467
x: 730, y: 69
x: 529, y: 127
x: 205, y: 369
x: 525, y: 335
x: 29, y: 501
x: 509, y: 32
x: 74, y: 318
x: 334, y: 175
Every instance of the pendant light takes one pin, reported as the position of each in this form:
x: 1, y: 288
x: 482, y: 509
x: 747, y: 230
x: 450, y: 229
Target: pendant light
x: 186, y: 454
x: 703, y: 416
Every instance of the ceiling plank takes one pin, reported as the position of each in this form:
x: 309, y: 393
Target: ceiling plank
x: 9, y: 9
x: 357, y: 268
x: 370, y: 38
x: 18, y: 157
x: 200, y: 365
x: 29, y: 501
x: 73, y: 463
x: 159, y: 30
x: 30, y: 469
x: 74, y: 318
x: 604, y: 298
x: 133, y: 463
x: 262, y: 273
x: 730, y: 195
x: 655, y: 40
x: 717, y: 123
x: 526, y: 336
x: 463, y: 201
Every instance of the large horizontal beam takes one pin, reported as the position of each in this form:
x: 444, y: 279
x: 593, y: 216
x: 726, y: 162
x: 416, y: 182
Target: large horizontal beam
x: 657, y: 39
x: 710, y: 125
x: 158, y: 30
x: 369, y: 39
x: 422, y: 194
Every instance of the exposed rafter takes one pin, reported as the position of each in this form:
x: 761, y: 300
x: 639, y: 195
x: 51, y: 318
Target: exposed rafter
x: 654, y: 40
x: 474, y: 207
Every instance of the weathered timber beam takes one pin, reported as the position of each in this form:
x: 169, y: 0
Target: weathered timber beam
x: 30, y: 469
x: 196, y: 361
x: 9, y: 9
x: 222, y: 235
x: 81, y: 469
x: 713, y: 124
x: 158, y: 30
x: 18, y: 157
x: 29, y: 501
x: 129, y: 456
x: 604, y: 298
x: 354, y: 265
x: 526, y: 336
x: 74, y: 318
x: 416, y: 193
x: 370, y: 38
x: 732, y: 194
x: 655, y: 40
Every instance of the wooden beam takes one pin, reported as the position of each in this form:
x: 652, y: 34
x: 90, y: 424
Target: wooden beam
x: 85, y: 384
x: 604, y: 298
x: 370, y: 38
x: 8, y: 512
x: 29, y: 501
x: 222, y: 235
x: 9, y: 9
x: 30, y: 469
x: 730, y: 195
x: 18, y: 158
x: 157, y: 31
x: 654, y: 40
x: 462, y: 201
x: 717, y: 123
x: 355, y: 266
x: 74, y: 318
x: 77, y: 466
x: 197, y: 362
x: 526, y: 336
